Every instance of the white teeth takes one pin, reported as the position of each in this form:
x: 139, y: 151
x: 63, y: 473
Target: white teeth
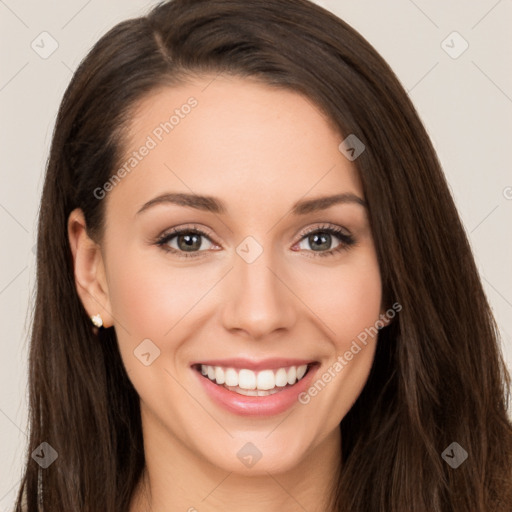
x: 301, y: 371
x: 247, y: 379
x: 219, y: 375
x: 231, y: 377
x: 248, y: 382
x: 266, y: 380
x: 281, y: 378
x: 252, y: 392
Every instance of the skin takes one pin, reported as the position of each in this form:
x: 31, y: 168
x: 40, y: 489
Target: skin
x: 260, y: 150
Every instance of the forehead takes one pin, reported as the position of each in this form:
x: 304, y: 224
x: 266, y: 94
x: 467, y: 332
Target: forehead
x: 234, y: 138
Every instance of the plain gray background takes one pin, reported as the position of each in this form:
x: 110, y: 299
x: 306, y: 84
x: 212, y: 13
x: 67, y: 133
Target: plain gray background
x: 463, y: 95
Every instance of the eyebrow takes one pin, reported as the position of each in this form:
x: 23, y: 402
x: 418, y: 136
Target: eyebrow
x: 214, y: 205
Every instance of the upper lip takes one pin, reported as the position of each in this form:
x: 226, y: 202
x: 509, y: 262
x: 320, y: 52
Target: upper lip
x: 251, y: 364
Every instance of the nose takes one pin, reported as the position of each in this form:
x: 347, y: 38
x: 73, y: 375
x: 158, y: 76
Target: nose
x: 258, y: 299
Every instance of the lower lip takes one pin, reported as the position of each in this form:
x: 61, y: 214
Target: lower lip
x: 256, y: 405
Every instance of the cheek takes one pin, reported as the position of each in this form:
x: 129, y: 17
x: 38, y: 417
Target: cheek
x: 149, y: 297
x: 346, y: 299
x: 350, y: 308
x: 152, y: 300
x: 359, y: 303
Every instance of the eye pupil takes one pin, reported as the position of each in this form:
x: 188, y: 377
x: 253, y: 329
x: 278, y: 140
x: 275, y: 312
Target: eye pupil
x: 192, y: 241
x: 314, y: 238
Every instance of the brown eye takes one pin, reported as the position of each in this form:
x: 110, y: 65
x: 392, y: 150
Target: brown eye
x: 187, y: 244
x: 320, y: 240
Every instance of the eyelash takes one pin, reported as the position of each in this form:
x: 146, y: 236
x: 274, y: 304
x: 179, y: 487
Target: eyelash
x: 347, y: 241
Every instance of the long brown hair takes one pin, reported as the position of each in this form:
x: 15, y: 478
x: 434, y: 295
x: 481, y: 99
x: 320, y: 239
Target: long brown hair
x: 438, y: 376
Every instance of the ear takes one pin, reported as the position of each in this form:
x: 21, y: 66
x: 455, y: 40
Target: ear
x: 89, y: 269
x: 384, y: 317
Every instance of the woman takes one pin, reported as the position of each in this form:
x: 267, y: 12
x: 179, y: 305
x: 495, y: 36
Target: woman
x: 193, y: 347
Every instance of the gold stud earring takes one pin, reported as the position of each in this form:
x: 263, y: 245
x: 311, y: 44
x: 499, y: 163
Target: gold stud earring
x: 97, y: 320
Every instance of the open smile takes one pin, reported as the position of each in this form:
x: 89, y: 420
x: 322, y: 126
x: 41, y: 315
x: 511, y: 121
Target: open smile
x: 246, y: 391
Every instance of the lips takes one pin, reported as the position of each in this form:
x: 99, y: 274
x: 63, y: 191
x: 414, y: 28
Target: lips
x: 249, y: 387
x: 251, y: 364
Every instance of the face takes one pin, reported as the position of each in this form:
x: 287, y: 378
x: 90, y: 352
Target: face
x: 252, y: 285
